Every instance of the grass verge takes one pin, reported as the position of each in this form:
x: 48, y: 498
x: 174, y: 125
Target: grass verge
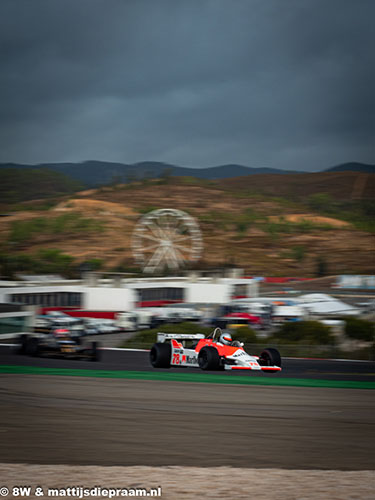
x: 188, y: 377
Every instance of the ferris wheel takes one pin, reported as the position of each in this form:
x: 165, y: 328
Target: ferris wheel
x: 166, y: 238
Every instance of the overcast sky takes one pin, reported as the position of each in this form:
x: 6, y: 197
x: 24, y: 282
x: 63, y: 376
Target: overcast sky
x: 272, y: 83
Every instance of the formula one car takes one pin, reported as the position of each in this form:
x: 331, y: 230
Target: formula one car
x: 57, y: 343
x: 216, y: 352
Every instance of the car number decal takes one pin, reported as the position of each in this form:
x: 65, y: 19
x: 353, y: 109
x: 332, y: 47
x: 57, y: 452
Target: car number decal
x: 178, y: 358
x: 183, y: 359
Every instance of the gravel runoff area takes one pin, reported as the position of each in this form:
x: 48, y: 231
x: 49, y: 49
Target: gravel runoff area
x: 195, y: 482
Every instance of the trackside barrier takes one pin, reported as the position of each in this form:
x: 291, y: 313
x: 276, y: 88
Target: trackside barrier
x: 294, y: 350
x: 315, y: 351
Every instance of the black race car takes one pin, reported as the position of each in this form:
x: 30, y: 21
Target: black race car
x: 57, y: 343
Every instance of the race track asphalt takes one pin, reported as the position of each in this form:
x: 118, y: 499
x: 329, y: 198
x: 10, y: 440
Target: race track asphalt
x: 139, y: 360
x: 95, y: 421
x: 109, y: 421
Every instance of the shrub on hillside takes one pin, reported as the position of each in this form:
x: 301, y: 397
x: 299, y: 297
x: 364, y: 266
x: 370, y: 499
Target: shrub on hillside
x: 304, y: 332
x: 360, y: 329
x: 321, y: 202
x: 52, y: 260
x: 24, y: 231
x: 245, y: 334
x: 45, y: 261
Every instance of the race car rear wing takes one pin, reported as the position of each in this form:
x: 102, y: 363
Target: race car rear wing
x: 162, y: 337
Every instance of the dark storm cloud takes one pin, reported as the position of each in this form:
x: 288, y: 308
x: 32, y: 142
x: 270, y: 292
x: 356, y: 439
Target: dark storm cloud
x: 286, y: 84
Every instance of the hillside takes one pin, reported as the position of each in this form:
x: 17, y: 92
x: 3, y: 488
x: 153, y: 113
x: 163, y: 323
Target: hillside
x: 23, y: 184
x: 322, y: 230
x: 95, y: 173
x: 346, y: 185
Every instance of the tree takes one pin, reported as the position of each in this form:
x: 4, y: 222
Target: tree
x: 166, y: 175
x: 304, y: 332
x: 321, y: 267
x: 360, y: 329
x: 298, y: 253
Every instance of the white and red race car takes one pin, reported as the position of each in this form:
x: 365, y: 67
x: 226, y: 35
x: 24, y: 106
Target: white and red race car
x: 173, y: 349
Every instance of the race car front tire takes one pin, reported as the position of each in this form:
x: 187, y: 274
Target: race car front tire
x: 270, y: 357
x: 209, y: 359
x: 160, y: 355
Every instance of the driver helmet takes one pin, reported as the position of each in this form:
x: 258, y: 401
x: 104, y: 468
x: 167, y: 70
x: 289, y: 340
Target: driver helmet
x: 60, y: 332
x: 225, y: 338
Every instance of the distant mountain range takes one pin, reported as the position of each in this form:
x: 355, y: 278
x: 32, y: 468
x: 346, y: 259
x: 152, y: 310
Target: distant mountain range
x: 94, y: 173
x: 353, y: 167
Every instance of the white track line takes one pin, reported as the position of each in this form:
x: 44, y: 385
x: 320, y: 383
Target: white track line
x: 332, y: 359
x: 123, y: 349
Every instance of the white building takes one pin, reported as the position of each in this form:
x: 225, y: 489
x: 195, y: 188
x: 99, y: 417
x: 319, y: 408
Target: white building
x: 125, y: 294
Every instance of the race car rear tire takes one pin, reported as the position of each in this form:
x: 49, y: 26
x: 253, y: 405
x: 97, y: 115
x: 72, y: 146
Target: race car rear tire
x: 32, y: 347
x: 270, y: 357
x: 22, y: 343
x: 77, y: 339
x: 160, y: 355
x: 95, y: 353
x: 209, y: 359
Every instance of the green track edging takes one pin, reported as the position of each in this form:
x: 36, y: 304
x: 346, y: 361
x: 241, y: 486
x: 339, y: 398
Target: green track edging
x: 188, y: 377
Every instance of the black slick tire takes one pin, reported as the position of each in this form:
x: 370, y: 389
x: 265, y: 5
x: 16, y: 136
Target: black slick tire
x: 95, y: 353
x: 209, y: 359
x: 160, y: 355
x: 22, y: 343
x: 270, y: 357
x: 32, y: 347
